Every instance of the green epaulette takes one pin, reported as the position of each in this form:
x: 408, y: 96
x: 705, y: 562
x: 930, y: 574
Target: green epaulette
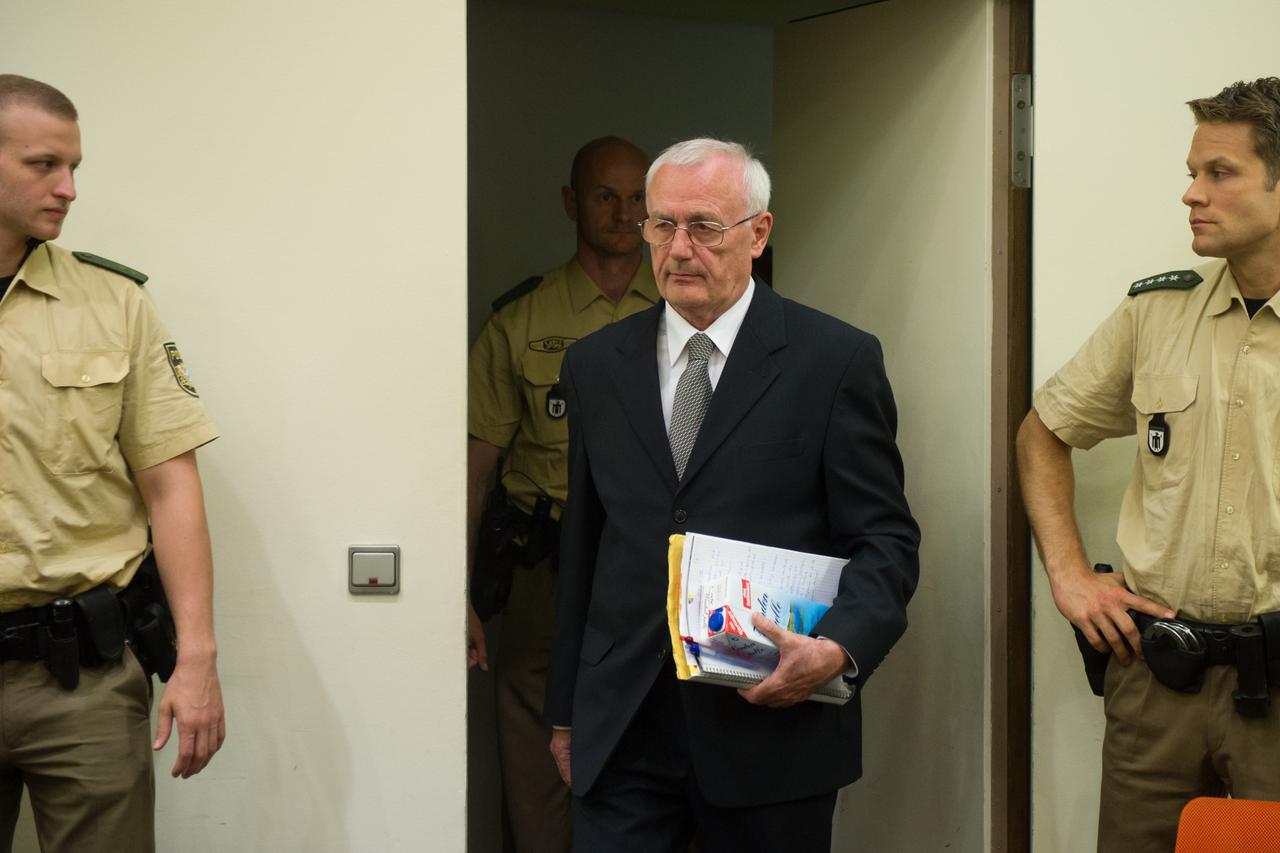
x: 119, y: 269
x: 526, y: 286
x: 1175, y: 280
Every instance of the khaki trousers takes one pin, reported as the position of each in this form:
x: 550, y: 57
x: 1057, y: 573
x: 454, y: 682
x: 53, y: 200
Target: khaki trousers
x: 537, y: 801
x: 1163, y: 748
x: 84, y: 756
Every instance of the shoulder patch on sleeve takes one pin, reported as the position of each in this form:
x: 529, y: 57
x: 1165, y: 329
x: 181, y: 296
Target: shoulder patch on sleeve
x: 1175, y: 280
x: 119, y: 269
x: 526, y: 286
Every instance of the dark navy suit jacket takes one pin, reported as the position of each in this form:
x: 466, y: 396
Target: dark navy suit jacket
x: 797, y: 450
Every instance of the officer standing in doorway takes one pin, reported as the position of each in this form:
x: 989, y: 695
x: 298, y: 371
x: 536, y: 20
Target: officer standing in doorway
x: 99, y: 422
x: 1190, y: 361
x: 517, y: 415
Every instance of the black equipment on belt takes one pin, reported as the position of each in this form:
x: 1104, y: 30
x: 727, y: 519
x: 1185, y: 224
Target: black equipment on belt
x: 1178, y: 650
x: 93, y: 627
x: 508, y: 538
x: 1095, y: 662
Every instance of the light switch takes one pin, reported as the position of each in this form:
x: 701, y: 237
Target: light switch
x: 373, y: 569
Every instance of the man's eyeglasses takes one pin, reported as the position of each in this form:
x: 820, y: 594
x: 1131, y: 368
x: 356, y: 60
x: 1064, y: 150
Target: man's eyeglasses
x: 660, y: 232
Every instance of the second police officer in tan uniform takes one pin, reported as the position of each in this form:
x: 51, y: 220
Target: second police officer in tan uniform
x: 516, y: 409
x: 99, y: 422
x: 1191, y: 362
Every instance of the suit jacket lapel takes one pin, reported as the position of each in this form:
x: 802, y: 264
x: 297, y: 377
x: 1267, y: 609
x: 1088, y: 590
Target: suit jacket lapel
x: 636, y: 382
x: 748, y: 372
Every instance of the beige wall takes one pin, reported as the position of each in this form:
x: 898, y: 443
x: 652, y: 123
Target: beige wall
x: 292, y: 176
x: 1111, y: 139
x: 882, y: 119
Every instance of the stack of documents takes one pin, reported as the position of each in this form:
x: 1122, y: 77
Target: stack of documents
x: 711, y: 637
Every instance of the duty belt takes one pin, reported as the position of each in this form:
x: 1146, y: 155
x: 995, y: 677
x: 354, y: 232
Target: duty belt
x: 1179, y: 650
x: 21, y: 630
x: 93, y: 627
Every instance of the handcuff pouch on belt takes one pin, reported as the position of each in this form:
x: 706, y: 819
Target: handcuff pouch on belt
x: 509, y: 538
x: 1177, y: 652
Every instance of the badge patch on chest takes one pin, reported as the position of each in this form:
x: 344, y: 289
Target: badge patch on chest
x: 180, y: 372
x: 554, y: 343
x: 557, y: 406
x: 1158, y: 435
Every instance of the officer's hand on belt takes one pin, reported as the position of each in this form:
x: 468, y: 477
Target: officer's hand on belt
x: 1096, y: 601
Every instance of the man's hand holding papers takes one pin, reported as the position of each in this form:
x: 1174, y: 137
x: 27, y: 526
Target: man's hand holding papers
x: 805, y: 665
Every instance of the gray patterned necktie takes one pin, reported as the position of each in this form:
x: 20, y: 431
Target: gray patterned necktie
x: 693, y: 395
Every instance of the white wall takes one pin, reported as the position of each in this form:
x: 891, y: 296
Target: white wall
x: 544, y: 80
x: 1112, y: 136
x: 883, y: 219
x: 292, y: 176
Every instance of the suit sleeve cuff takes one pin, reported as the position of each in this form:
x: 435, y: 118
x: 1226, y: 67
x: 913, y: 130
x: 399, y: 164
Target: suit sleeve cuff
x: 851, y: 671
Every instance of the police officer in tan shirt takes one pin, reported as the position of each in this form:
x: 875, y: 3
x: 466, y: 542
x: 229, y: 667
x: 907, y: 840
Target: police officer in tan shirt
x: 99, y: 422
x: 515, y: 408
x: 1190, y: 361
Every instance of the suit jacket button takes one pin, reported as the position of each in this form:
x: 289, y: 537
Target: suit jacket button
x: 680, y: 516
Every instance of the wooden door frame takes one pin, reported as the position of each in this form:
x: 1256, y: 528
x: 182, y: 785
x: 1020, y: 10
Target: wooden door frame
x: 1010, y: 541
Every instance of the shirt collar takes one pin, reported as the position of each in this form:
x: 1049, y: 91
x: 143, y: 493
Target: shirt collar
x: 36, y: 272
x: 583, y: 291
x: 1226, y: 291
x: 723, y: 331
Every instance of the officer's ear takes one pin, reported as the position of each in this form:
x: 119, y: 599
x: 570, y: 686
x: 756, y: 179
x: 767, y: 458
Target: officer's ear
x: 570, y: 199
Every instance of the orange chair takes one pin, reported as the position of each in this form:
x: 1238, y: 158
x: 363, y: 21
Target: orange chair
x: 1213, y: 825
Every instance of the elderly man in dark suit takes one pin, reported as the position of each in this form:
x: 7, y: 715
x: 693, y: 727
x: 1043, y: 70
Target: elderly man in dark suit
x: 731, y: 411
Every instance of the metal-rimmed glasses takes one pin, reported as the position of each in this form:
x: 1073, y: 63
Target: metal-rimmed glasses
x: 660, y: 232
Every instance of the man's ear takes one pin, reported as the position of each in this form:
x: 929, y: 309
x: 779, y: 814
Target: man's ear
x: 570, y: 199
x: 761, y: 227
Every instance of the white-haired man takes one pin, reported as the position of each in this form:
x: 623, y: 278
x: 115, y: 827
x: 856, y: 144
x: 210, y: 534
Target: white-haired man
x: 731, y: 411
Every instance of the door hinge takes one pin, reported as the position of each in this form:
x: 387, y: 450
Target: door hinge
x: 1021, y: 134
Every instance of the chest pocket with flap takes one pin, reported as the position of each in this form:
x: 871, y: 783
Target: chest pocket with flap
x: 84, y: 394
x: 1174, y: 396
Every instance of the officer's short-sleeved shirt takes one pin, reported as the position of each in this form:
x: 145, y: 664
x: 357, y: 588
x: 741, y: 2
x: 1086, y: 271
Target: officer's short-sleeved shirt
x: 91, y: 387
x: 1200, y: 523
x: 514, y: 369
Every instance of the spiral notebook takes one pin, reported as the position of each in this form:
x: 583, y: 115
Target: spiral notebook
x: 694, y: 559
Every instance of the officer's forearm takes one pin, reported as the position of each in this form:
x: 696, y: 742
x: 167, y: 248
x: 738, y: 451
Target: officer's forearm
x: 175, y: 502
x: 1048, y: 492
x: 482, y: 458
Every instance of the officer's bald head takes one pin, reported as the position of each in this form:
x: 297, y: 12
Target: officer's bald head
x: 605, y: 198
x: 16, y: 90
x: 607, y: 149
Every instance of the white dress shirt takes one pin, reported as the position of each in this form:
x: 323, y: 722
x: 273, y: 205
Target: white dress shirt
x: 674, y: 332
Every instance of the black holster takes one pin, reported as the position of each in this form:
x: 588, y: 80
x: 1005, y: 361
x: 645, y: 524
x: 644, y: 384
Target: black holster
x: 1095, y: 662
x: 148, y: 622
x: 508, y: 539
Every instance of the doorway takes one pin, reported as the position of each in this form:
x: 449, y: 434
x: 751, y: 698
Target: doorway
x: 876, y: 125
